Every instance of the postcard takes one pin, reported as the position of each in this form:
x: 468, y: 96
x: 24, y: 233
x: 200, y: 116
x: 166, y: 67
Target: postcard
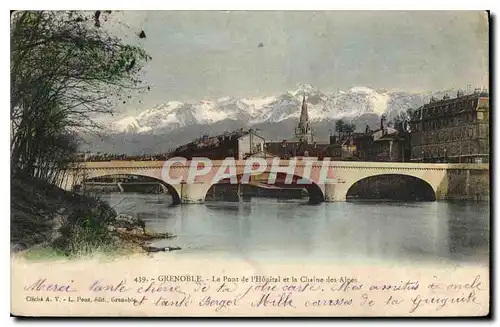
x: 250, y: 163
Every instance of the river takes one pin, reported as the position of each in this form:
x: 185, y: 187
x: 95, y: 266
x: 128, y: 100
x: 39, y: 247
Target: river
x: 368, y: 232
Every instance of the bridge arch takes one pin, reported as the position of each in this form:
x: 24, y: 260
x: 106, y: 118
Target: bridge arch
x: 172, y: 189
x: 316, y: 192
x: 391, y: 186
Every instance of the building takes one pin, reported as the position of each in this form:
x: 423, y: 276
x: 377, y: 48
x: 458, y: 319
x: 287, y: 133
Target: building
x: 303, y: 131
x: 303, y: 145
x: 452, y: 129
x: 384, y: 144
x: 242, y: 144
x: 291, y: 148
x: 238, y: 144
x: 249, y: 143
x: 343, y: 147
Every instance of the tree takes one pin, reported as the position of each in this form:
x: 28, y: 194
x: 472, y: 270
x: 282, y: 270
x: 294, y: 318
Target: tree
x: 339, y: 127
x: 401, y: 120
x: 349, y: 129
x: 344, y: 129
x: 65, y: 69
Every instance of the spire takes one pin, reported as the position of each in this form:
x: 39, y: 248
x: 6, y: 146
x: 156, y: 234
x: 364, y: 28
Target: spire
x: 303, y: 131
x: 304, y: 116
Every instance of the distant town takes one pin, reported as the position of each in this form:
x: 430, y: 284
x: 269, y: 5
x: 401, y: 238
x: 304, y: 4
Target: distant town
x: 454, y: 129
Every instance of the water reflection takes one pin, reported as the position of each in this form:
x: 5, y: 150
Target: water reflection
x: 389, y: 232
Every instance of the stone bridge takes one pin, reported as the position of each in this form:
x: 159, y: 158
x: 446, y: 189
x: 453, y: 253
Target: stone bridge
x: 448, y: 181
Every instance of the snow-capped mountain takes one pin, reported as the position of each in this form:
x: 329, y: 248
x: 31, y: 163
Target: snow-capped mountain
x: 349, y: 104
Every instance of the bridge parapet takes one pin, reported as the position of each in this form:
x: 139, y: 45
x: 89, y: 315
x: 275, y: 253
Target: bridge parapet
x: 269, y: 161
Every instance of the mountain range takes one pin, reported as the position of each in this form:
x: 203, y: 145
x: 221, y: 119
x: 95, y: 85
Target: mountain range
x: 173, y: 123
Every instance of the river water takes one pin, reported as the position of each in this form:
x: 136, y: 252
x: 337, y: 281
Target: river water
x: 367, y: 232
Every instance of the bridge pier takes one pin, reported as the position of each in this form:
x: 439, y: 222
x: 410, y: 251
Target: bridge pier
x: 193, y: 193
x: 336, y: 192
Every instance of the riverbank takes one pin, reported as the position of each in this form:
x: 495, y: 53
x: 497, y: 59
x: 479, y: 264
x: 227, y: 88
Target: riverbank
x: 48, y: 222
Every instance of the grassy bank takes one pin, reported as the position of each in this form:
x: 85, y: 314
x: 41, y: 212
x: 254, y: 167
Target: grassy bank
x: 50, y: 223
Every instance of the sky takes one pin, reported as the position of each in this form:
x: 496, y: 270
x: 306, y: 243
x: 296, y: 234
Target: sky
x: 203, y: 55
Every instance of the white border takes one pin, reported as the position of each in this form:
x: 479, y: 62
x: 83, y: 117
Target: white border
x: 200, y: 5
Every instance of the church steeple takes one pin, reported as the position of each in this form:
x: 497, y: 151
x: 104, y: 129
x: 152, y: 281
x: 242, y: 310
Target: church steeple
x: 304, y: 116
x: 303, y: 132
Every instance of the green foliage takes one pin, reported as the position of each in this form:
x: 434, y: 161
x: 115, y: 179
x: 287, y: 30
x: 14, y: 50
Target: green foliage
x: 339, y: 126
x: 65, y: 68
x: 344, y: 129
x: 44, y: 253
x: 29, y: 228
x: 349, y: 129
x: 86, y: 230
x: 48, y: 222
